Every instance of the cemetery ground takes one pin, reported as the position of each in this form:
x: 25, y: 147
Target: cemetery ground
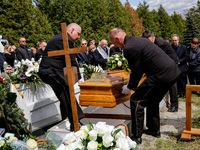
x: 171, y: 129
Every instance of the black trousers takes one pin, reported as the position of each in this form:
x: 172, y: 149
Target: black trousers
x: 173, y: 95
x: 149, y: 97
x: 61, y: 89
x: 181, y: 83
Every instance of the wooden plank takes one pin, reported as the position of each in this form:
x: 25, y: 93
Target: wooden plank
x: 108, y: 116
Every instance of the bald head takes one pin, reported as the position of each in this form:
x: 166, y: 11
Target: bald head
x: 116, y: 37
x: 74, y: 30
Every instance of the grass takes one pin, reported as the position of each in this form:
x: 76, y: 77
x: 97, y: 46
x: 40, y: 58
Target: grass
x: 175, y: 143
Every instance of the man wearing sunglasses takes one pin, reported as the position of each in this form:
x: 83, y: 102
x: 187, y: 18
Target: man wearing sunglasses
x: 23, y: 51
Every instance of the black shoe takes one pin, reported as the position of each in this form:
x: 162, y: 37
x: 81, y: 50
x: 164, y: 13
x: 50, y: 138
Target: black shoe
x: 173, y: 109
x: 153, y: 133
x: 137, y: 140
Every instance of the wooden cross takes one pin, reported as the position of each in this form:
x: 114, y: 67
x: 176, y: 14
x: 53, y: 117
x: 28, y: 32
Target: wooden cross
x: 67, y: 51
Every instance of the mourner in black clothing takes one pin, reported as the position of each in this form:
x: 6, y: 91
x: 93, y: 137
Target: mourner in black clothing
x: 9, y: 55
x: 23, y: 51
x: 40, y: 51
x: 51, y: 71
x: 115, y: 50
x: 183, y: 56
x: 162, y: 72
x: 166, y: 47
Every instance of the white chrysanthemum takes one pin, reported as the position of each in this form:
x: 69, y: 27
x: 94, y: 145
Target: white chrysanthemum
x: 92, y: 145
x: 119, y: 63
x: 107, y: 139
x: 31, y: 143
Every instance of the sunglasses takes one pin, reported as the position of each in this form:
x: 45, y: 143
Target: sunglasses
x: 23, y: 41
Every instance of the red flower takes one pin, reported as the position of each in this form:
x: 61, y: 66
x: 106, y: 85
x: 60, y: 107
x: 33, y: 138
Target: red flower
x: 1, y: 79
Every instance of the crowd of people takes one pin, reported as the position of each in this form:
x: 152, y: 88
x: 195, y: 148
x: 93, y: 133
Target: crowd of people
x: 168, y: 66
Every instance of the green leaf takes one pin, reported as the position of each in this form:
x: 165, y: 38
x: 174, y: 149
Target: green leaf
x: 90, y: 123
x: 116, y: 131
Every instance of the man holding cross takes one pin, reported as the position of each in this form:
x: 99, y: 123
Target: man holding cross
x: 51, y: 71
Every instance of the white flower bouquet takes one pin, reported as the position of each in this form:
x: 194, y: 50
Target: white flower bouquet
x: 98, y: 136
x: 12, y: 142
x: 25, y: 72
x: 117, y: 61
x: 89, y: 69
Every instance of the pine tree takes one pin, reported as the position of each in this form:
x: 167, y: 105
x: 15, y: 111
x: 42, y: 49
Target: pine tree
x: 191, y: 30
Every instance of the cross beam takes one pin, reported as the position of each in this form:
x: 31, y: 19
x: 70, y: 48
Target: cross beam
x: 67, y: 51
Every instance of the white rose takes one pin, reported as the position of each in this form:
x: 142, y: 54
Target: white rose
x: 2, y: 143
x: 117, y: 58
x: 92, y: 145
x: 70, y: 138
x: 132, y: 144
x: 122, y: 143
x: 116, y: 55
x: 117, y: 149
x: 80, y: 134
x: 123, y: 58
x: 119, y: 63
x: 31, y: 143
x: 107, y: 139
x: 93, y: 135
x: 11, y: 139
x: 119, y: 134
x: 101, y: 128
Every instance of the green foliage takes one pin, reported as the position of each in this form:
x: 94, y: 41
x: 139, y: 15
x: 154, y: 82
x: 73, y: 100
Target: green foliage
x: 11, y: 116
x: 96, y: 17
x: 19, y: 18
x: 191, y: 30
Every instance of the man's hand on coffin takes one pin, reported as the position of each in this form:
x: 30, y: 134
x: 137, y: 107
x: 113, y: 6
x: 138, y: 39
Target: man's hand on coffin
x: 125, y: 90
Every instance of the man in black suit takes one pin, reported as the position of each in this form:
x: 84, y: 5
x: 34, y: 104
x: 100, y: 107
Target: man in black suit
x: 82, y: 57
x: 145, y: 57
x: 23, y: 51
x: 51, y: 71
x: 183, y: 55
x: 164, y: 45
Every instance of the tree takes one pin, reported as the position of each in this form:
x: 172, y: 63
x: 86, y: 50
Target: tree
x: 19, y: 19
x: 179, y: 23
x: 136, y: 25
x: 191, y: 30
x: 96, y: 17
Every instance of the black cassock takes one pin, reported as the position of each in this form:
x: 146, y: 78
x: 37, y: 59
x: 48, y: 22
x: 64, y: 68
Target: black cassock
x: 51, y: 72
x: 162, y: 72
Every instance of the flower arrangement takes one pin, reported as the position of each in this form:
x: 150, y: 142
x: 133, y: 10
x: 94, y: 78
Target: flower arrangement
x: 25, y: 72
x: 117, y: 61
x: 98, y: 136
x: 12, y: 142
x: 89, y: 69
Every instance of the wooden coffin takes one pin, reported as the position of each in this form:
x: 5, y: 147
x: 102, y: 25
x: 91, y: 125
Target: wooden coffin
x: 107, y: 93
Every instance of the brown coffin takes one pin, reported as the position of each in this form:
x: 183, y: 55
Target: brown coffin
x: 105, y: 94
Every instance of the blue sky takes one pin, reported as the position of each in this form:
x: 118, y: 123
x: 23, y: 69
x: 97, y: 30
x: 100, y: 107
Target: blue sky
x: 170, y: 5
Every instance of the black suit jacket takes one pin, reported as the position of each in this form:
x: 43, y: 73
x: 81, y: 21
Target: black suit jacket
x: 49, y: 65
x: 38, y: 55
x: 100, y: 60
x: 183, y: 56
x: 145, y: 57
x: 166, y: 47
x: 24, y: 53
